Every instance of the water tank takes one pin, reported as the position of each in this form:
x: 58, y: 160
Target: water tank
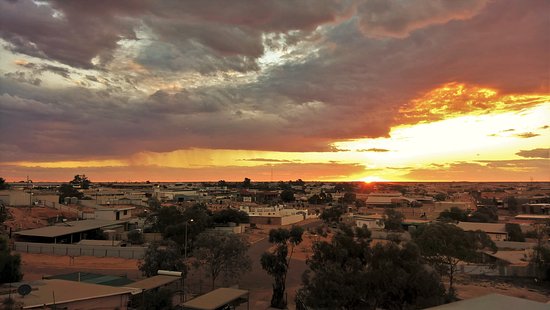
x: 74, y: 200
x: 66, y: 200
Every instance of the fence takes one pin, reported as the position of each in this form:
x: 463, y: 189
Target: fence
x: 501, y: 271
x: 80, y: 250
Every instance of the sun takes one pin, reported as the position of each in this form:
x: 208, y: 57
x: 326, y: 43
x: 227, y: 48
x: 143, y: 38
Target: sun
x: 373, y: 178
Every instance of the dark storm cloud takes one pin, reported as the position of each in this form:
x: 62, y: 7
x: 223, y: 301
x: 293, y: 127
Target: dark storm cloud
x: 75, y: 32
x: 383, y: 18
x: 535, y: 153
x: 346, y: 84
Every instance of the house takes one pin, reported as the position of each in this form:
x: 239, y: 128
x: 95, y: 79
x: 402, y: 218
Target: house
x: 16, y: 197
x: 276, y: 215
x: 495, y: 231
x: 114, y: 213
x: 383, y: 199
x: 373, y: 221
x: 536, y: 208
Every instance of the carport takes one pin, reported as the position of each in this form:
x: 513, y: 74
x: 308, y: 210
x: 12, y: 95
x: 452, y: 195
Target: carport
x: 222, y: 298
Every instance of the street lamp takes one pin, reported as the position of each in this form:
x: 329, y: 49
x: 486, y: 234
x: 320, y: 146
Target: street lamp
x: 185, y: 258
x: 185, y: 248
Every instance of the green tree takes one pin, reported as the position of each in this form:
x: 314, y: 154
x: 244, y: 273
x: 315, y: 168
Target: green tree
x: 135, y: 237
x: 541, y: 252
x: 10, y: 264
x: 221, y: 253
x: 277, y: 262
x: 153, y: 203
x: 393, y: 219
x: 247, y: 182
x: 287, y: 195
x: 440, y: 196
x: 445, y: 245
x: 165, y: 217
x: 81, y: 180
x: 230, y: 215
x: 514, y: 232
x: 192, y: 222
x: 349, y: 197
x: 512, y: 204
x: 347, y: 273
x: 486, y: 214
x: 3, y: 184
x: 162, y: 257
x: 67, y: 190
x: 455, y: 214
x: 331, y: 215
x: 360, y: 203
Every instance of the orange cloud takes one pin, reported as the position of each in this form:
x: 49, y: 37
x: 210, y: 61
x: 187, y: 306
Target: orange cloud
x: 456, y: 99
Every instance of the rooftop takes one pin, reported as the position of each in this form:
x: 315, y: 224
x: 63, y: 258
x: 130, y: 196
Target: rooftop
x: 154, y: 282
x: 216, y: 299
x: 494, y: 302
x: 497, y: 228
x: 67, y: 228
x: 43, y: 291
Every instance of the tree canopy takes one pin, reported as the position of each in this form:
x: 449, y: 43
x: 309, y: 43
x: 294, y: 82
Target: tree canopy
x: 485, y: 214
x: 230, y: 215
x: 67, y: 190
x: 221, y: 253
x: 162, y: 257
x: 3, y: 184
x: 514, y: 232
x: 331, y: 214
x: 81, y: 180
x: 445, y: 245
x: 287, y: 195
x: 277, y: 262
x: 455, y: 214
x: 393, y: 219
x: 10, y: 264
x: 347, y: 273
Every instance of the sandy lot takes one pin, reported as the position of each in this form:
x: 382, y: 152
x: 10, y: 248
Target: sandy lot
x: 27, y: 218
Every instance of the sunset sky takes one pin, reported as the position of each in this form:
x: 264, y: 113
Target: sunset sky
x: 381, y: 90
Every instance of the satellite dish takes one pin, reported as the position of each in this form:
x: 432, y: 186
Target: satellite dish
x: 24, y: 289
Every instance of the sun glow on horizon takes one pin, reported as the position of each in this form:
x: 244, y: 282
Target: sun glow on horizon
x: 469, y: 126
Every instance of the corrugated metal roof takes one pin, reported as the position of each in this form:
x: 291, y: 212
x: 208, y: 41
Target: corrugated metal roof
x: 154, y: 282
x: 486, y: 227
x: 67, y: 291
x: 216, y: 299
x: 67, y: 228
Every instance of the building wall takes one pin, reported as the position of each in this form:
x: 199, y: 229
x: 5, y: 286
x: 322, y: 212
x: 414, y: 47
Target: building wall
x: 111, y: 214
x: 370, y: 223
x: 497, y: 237
x: 80, y: 250
x: 265, y: 220
x: 292, y: 219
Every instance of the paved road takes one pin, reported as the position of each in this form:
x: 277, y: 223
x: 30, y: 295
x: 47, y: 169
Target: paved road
x: 257, y: 281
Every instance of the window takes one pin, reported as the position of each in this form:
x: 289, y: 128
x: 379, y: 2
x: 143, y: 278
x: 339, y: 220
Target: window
x: 125, y: 212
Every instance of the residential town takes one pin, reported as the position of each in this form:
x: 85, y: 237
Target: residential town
x: 152, y: 245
